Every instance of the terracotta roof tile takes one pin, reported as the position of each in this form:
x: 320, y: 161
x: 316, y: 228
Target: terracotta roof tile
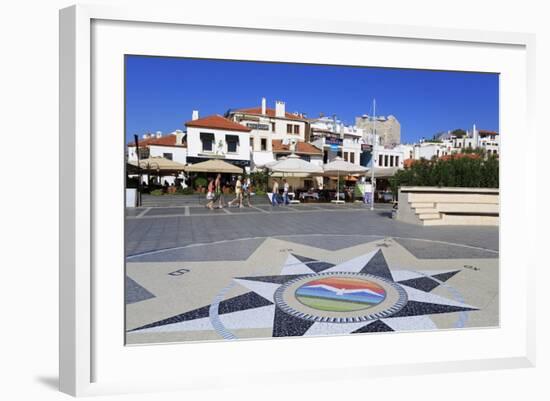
x: 302, y: 148
x: 167, y: 140
x: 269, y: 112
x: 218, y: 122
x: 484, y: 132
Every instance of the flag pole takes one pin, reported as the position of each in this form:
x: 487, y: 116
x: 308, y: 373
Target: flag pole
x: 373, y: 155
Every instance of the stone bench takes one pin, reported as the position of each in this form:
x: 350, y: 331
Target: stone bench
x: 430, y: 206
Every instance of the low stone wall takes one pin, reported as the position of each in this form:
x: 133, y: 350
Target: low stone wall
x: 431, y: 206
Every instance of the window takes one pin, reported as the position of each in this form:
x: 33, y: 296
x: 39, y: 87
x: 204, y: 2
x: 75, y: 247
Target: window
x: 397, y: 161
x: 391, y: 161
x: 346, y: 156
x: 385, y: 160
x: 167, y: 156
x: 273, y: 127
x: 263, y: 146
x: 232, y: 143
x: 307, y: 158
x: 252, y: 144
x: 143, y: 153
x: 380, y: 160
x: 207, y: 142
x: 297, y: 129
x: 289, y: 128
x: 325, y: 157
x: 352, y: 157
x: 339, y: 153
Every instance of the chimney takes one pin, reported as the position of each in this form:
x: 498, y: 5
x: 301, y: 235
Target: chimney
x: 280, y: 109
x: 195, y: 115
x: 263, y: 106
x: 475, y: 136
x: 179, y: 136
x: 145, y: 136
x: 158, y: 134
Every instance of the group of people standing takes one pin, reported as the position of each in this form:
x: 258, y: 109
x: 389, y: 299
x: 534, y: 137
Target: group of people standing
x: 215, y: 198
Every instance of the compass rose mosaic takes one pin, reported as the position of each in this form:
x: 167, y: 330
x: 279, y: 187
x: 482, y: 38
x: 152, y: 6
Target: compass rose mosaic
x: 359, y: 290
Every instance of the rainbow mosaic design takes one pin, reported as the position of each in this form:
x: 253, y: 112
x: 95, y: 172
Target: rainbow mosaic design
x: 340, y: 294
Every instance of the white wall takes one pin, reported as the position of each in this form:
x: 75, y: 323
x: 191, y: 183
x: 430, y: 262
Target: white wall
x: 194, y: 144
x: 179, y: 154
x: 280, y: 129
x: 396, y: 153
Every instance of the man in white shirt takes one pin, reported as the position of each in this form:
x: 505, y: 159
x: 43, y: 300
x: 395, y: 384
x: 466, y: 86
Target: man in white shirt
x: 285, y: 192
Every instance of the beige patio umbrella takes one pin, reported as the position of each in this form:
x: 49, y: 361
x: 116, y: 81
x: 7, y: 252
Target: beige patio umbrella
x: 214, y: 166
x: 158, y: 164
x: 337, y: 166
x: 292, y: 164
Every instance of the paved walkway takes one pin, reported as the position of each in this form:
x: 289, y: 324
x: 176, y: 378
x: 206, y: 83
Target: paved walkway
x: 316, y: 269
x: 153, y: 229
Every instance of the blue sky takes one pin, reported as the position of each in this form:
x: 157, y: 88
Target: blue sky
x: 161, y: 93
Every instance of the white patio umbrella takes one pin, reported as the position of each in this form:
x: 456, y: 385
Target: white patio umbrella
x: 337, y: 166
x: 292, y: 164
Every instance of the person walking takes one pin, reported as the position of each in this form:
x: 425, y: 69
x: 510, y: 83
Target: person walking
x: 367, y: 195
x: 246, y: 192
x: 275, y: 197
x: 218, y: 195
x: 210, y: 194
x: 238, y: 193
x: 286, y: 201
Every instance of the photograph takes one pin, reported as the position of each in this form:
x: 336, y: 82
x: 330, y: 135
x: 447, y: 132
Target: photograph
x: 270, y: 199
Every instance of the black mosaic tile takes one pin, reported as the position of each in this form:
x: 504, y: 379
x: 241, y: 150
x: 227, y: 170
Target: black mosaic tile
x: 242, y: 302
x: 318, y: 267
x: 416, y: 308
x: 191, y: 315
x: 425, y: 284
x: 285, y: 325
x: 445, y: 276
x: 377, y: 326
x: 304, y: 259
x: 377, y: 266
x: 273, y: 279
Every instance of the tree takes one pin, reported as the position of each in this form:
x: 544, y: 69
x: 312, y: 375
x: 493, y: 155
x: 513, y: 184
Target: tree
x: 459, y: 132
x: 457, y: 171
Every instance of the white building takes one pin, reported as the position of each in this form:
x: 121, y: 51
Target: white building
x: 172, y: 146
x: 490, y: 141
x: 217, y: 137
x: 451, y: 144
x: 267, y: 125
x: 336, y: 139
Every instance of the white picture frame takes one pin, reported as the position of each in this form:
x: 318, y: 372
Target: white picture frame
x: 82, y: 346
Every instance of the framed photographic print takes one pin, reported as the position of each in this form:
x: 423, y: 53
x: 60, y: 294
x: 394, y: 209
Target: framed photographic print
x: 314, y: 197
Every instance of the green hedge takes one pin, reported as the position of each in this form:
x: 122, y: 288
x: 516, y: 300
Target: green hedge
x: 474, y: 172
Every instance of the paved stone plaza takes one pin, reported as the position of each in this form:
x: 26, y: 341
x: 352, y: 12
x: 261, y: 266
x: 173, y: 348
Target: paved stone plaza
x: 311, y: 269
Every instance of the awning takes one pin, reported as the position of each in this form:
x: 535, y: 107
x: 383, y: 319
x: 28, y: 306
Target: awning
x: 156, y: 164
x: 214, y: 166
